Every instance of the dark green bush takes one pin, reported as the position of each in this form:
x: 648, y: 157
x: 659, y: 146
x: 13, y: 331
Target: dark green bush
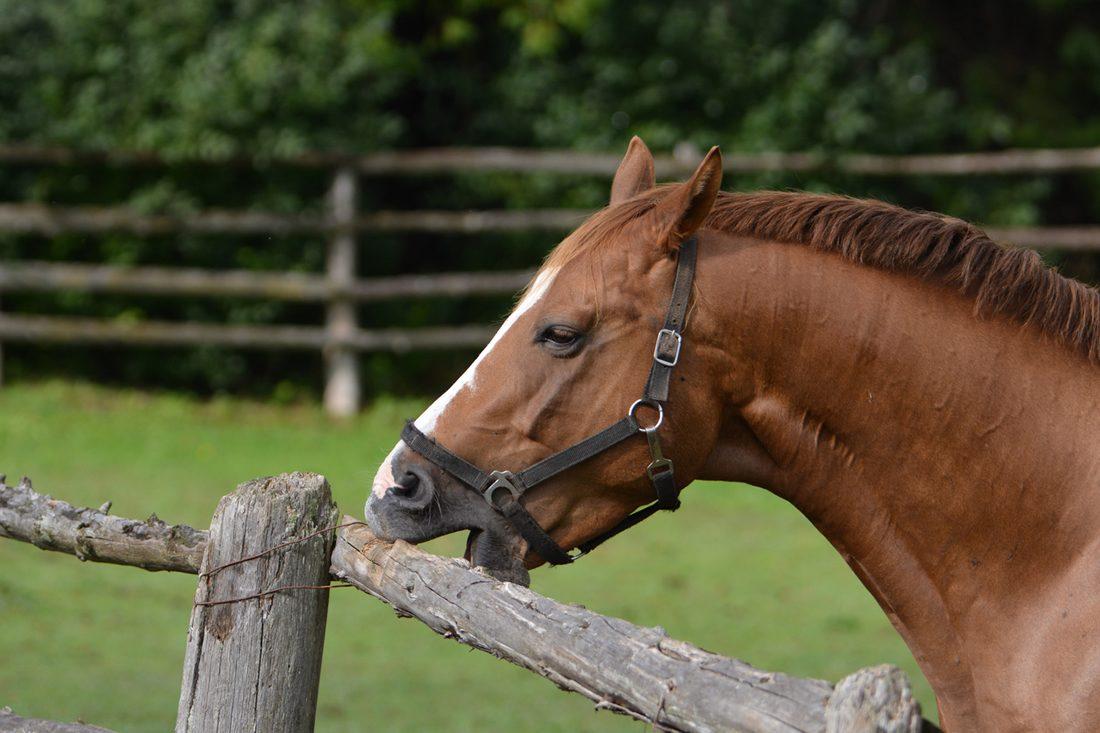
x: 211, y: 79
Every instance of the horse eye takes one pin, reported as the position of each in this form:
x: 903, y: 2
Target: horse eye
x: 559, y: 337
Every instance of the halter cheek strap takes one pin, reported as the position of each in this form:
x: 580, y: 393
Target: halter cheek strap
x: 503, y: 489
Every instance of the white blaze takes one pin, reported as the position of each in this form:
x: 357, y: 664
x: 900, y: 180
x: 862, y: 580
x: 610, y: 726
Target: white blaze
x: 384, y: 479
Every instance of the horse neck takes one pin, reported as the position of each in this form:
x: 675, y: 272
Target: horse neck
x: 946, y: 458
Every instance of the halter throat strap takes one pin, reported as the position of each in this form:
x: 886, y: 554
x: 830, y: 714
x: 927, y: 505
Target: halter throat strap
x: 504, y: 489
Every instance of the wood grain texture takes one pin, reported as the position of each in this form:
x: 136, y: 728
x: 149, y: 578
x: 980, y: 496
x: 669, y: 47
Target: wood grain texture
x: 255, y: 665
x: 12, y: 723
x: 239, y: 654
x: 95, y: 535
x: 875, y: 699
x: 622, y: 667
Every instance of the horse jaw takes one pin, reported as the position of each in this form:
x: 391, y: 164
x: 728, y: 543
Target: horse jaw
x: 499, y: 554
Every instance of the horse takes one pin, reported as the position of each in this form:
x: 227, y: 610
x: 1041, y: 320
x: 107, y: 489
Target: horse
x: 928, y: 398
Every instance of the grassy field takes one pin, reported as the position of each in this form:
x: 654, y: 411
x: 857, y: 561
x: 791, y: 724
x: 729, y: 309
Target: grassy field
x: 735, y: 571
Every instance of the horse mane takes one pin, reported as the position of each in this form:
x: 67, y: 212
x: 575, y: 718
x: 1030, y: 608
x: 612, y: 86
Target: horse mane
x: 1001, y: 281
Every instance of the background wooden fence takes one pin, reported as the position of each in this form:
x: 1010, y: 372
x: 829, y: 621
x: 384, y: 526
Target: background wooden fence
x: 340, y: 339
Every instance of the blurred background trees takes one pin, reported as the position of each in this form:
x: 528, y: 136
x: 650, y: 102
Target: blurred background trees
x: 209, y: 79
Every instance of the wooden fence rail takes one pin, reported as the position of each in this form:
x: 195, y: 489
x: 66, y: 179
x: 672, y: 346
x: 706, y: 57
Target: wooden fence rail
x: 340, y: 223
x: 52, y: 221
x: 572, y: 162
x: 62, y: 330
x: 34, y: 276
x: 232, y: 679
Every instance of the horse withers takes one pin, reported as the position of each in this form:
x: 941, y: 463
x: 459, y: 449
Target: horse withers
x: 929, y: 399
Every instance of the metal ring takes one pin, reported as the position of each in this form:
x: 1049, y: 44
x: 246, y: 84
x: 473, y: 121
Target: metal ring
x: 632, y: 413
x: 501, y: 480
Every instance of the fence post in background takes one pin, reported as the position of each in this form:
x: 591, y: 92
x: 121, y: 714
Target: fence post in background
x: 342, y: 389
x: 1, y: 347
x: 255, y: 664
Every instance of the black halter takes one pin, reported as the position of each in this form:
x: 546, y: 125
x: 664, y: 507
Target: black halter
x: 503, y: 489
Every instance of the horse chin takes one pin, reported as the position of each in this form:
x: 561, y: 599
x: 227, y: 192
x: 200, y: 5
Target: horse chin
x: 498, y: 555
x: 492, y: 545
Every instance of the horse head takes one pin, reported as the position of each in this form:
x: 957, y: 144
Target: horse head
x: 572, y: 358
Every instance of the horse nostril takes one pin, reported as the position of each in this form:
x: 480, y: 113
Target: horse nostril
x: 407, y: 484
x: 413, y: 491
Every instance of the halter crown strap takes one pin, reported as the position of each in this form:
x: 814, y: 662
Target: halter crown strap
x: 666, y: 352
x: 503, y: 489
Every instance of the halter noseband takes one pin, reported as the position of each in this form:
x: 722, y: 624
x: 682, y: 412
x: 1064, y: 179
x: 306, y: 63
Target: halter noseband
x: 503, y: 489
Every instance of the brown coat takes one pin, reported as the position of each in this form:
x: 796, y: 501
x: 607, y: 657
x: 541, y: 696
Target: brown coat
x: 929, y: 399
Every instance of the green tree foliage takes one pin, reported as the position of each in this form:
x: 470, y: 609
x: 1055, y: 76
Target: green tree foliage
x: 203, y: 78
x: 211, y: 79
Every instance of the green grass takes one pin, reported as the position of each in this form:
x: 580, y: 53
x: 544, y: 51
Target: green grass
x: 736, y: 571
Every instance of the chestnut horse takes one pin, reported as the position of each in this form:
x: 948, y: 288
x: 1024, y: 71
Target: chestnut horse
x: 929, y: 399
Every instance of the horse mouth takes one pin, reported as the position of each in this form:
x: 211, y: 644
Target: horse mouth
x: 492, y: 544
x: 496, y: 555
x: 471, y: 540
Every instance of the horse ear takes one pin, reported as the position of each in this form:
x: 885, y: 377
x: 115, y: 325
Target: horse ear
x: 684, y: 210
x: 635, y: 173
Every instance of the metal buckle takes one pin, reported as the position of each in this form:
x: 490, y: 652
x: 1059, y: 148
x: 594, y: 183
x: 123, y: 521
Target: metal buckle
x: 501, y: 479
x: 659, y: 464
x: 666, y: 333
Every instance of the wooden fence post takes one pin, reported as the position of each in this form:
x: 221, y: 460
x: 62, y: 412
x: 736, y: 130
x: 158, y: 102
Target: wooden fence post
x: 255, y: 665
x: 342, y: 388
x: 1, y: 355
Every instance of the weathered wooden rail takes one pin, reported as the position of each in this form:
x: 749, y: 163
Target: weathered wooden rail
x: 681, y: 163
x: 34, y: 276
x: 257, y: 626
x: 56, y: 329
x: 340, y: 223
x: 53, y: 220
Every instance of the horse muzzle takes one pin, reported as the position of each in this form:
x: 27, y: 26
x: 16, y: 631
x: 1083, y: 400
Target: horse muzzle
x: 416, y: 502
x: 400, y: 500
